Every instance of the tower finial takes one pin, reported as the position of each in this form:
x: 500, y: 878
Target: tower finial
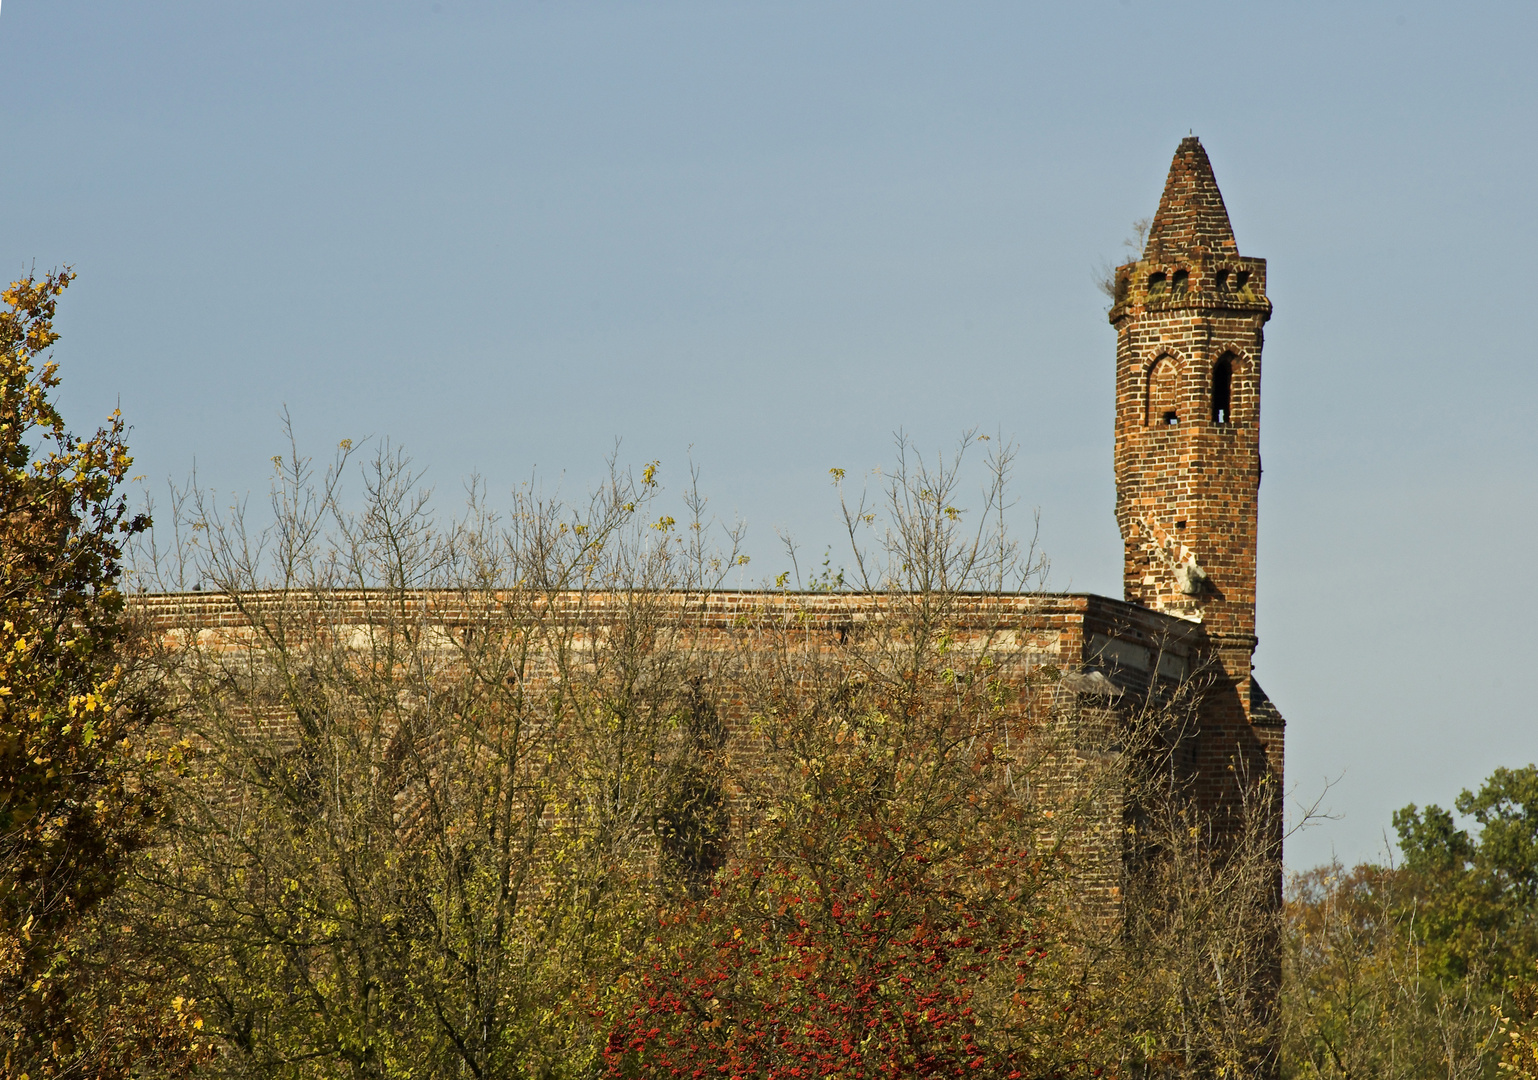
x: 1191, y: 215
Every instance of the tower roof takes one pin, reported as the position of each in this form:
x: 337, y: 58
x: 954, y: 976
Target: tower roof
x: 1191, y: 215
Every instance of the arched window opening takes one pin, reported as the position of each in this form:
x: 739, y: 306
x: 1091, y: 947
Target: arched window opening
x: 1222, y: 390
x: 1181, y: 280
x: 1222, y: 281
x: 1163, y: 394
x: 1156, y: 283
x: 1241, y: 279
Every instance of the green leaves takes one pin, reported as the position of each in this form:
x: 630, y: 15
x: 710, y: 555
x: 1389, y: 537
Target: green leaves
x: 1506, y: 807
x: 1430, y: 841
x: 1476, y: 894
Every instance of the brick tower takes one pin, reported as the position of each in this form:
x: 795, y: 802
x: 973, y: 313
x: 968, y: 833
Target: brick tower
x: 1189, y: 318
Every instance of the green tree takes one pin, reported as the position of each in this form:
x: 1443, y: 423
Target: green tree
x: 1476, y: 895
x: 1506, y: 807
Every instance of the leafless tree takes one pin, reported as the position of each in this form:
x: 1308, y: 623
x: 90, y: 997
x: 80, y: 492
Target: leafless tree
x: 421, y: 827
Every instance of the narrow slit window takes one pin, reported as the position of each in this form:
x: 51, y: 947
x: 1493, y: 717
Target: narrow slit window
x: 1222, y: 391
x: 1163, y: 393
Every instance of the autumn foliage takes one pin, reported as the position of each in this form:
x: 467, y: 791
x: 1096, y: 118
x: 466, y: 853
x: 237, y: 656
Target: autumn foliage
x: 828, y: 981
x: 887, y: 907
x: 76, y: 791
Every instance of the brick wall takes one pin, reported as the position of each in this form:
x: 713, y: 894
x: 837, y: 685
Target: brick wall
x: 1133, y: 647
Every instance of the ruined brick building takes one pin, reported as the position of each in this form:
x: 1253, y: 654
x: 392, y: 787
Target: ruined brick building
x: 1189, y: 317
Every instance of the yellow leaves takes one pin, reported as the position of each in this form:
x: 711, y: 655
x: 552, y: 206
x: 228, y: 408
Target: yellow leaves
x: 649, y: 474
x: 85, y: 703
x: 345, y: 445
x: 837, y: 474
x: 664, y: 524
x: 63, y: 537
x: 1519, y: 1055
x: 184, y: 1008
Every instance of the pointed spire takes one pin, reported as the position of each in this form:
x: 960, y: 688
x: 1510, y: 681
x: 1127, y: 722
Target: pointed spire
x: 1191, y: 215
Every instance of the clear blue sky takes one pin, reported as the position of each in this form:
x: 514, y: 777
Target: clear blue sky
x: 507, y: 234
